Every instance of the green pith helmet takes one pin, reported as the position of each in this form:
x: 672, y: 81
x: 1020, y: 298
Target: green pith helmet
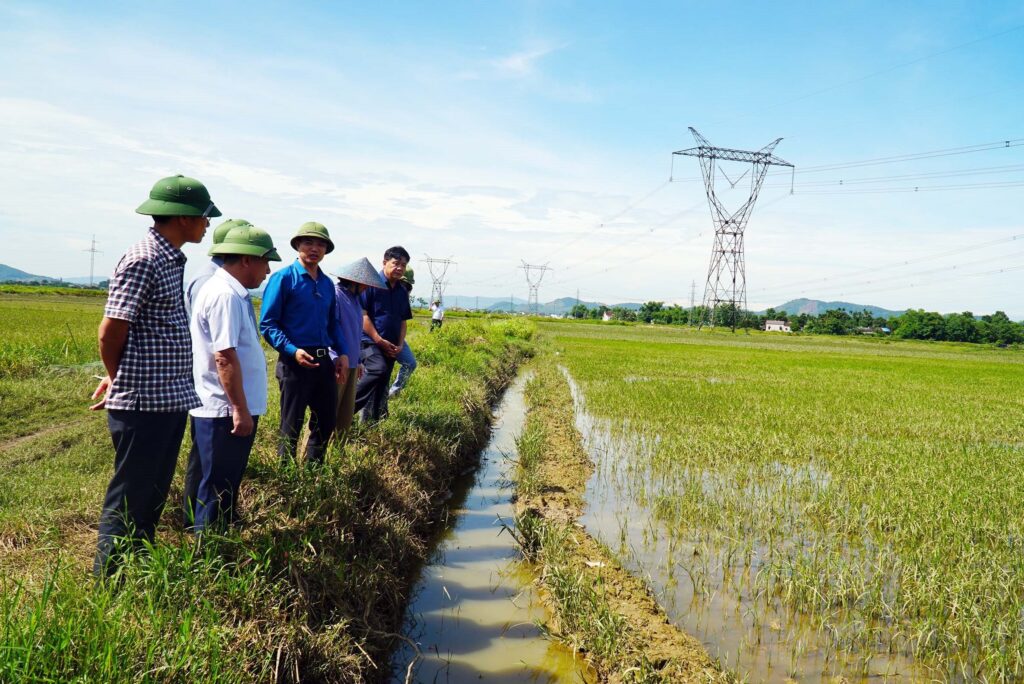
x: 220, y: 231
x: 314, y: 230
x: 178, y: 196
x: 247, y: 240
x: 409, y: 278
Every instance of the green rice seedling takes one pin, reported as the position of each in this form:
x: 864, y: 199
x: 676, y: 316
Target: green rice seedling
x: 867, y: 486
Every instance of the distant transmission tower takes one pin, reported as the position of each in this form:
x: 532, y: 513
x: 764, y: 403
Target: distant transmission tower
x: 534, y: 274
x: 438, y: 268
x: 727, y: 280
x: 92, y: 259
x: 693, y: 297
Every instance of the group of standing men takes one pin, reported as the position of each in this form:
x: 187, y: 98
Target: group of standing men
x: 336, y: 342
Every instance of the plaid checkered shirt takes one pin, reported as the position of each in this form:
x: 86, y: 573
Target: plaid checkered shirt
x: 155, y: 373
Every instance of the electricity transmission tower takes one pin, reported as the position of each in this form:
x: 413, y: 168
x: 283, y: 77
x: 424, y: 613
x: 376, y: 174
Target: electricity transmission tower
x: 726, y: 286
x: 92, y: 259
x: 438, y: 268
x: 534, y: 274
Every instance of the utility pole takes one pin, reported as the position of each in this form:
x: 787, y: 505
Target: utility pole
x: 693, y: 295
x: 511, y: 306
x: 477, y: 307
x: 534, y: 274
x: 438, y: 268
x: 727, y: 279
x: 92, y: 258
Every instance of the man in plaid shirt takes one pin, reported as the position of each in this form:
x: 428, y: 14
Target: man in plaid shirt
x: 146, y: 349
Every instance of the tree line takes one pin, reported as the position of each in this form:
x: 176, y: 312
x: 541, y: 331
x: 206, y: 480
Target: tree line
x: 915, y: 324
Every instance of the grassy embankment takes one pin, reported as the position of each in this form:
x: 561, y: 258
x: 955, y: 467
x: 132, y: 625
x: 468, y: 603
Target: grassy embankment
x: 314, y: 586
x: 598, y: 608
x: 869, y: 490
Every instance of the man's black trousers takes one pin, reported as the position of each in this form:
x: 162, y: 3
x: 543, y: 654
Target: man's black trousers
x: 146, y: 448
x: 302, y: 388
x: 372, y: 390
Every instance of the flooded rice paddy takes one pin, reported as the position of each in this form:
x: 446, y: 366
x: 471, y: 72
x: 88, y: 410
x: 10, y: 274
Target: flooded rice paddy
x: 474, y: 609
x: 844, y: 514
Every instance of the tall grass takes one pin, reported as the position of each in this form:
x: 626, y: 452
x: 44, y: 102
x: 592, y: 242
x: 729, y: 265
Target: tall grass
x: 314, y: 586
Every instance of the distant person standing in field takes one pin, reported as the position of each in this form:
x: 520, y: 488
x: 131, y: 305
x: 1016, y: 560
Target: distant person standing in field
x: 299, y: 320
x: 384, y: 325
x: 192, y: 469
x: 437, y: 317
x: 147, y: 352
x: 230, y: 371
x: 406, y: 360
x: 353, y: 280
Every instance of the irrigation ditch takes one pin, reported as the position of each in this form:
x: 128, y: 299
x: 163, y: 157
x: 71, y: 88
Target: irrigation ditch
x: 475, y: 611
x: 598, y: 607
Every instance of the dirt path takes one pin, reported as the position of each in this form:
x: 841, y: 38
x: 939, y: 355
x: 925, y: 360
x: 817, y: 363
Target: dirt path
x: 650, y: 648
x: 18, y: 441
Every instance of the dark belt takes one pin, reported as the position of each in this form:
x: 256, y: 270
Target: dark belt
x: 317, y: 352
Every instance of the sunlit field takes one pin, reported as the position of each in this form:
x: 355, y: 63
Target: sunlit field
x: 814, y: 506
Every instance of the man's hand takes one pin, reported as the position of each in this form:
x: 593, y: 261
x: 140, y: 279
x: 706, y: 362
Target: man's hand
x: 389, y: 350
x: 305, y: 359
x: 241, y: 421
x: 101, y: 389
x: 341, y: 369
x: 360, y: 369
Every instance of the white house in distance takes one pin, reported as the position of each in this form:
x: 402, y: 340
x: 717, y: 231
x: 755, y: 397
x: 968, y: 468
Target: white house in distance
x: 607, y: 316
x: 776, y: 326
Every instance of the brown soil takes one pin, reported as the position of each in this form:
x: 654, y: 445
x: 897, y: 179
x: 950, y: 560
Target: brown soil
x: 563, y: 474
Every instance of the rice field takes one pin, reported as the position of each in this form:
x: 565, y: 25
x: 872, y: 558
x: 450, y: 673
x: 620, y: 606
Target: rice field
x: 813, y: 507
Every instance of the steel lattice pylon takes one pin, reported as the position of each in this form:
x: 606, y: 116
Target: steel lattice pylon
x: 438, y: 268
x: 534, y: 274
x: 726, y: 286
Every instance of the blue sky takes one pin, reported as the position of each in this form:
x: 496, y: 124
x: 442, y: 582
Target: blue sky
x: 496, y: 132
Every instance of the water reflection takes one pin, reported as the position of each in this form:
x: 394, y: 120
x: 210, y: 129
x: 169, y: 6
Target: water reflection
x: 709, y: 586
x: 474, y: 612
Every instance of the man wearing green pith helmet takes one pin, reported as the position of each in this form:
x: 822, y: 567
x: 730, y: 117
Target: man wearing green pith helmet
x: 299, y: 320
x: 230, y: 372
x: 206, y: 271
x: 147, y: 352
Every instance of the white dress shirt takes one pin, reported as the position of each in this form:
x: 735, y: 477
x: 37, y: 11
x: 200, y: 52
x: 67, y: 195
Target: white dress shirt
x: 222, y: 318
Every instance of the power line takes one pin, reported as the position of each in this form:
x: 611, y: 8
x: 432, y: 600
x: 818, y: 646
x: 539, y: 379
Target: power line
x: 977, y: 171
x: 895, y: 159
x: 918, y: 188
x: 895, y: 264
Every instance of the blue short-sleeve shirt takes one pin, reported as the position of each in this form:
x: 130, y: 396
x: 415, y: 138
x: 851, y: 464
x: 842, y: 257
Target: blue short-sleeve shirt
x: 387, y: 309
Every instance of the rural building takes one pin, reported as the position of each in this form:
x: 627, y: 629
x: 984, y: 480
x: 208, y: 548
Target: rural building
x: 607, y: 316
x: 776, y: 326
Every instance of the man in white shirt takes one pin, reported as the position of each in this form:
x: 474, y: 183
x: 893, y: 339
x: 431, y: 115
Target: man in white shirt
x: 437, y: 317
x: 230, y: 371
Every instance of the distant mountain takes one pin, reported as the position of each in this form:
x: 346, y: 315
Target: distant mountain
x: 560, y: 306
x: 11, y: 273
x: 816, y: 307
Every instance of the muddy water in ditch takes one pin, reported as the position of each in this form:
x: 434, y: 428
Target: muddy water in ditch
x: 757, y: 640
x: 473, y: 612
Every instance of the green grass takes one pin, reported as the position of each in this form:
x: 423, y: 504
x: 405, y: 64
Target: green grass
x: 871, y: 485
x: 313, y: 586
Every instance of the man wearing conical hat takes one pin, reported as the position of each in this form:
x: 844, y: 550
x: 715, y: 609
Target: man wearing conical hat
x: 353, y: 280
x: 229, y: 370
x: 299, y: 320
x: 147, y: 352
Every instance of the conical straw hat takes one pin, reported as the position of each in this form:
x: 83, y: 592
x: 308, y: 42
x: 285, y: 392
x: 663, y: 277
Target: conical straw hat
x: 361, y: 271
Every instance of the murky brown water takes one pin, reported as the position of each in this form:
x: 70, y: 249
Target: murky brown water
x: 706, y: 595
x: 474, y: 612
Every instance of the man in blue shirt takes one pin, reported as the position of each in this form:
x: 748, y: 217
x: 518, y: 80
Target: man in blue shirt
x: 384, y: 325
x: 299, y: 320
